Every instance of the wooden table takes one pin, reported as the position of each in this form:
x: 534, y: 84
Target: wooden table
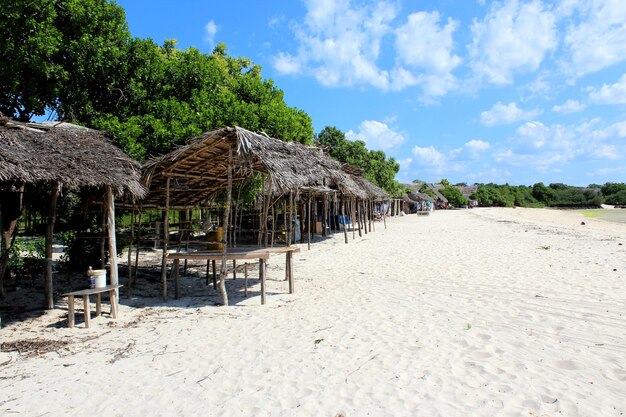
x: 235, y: 254
x: 111, y: 289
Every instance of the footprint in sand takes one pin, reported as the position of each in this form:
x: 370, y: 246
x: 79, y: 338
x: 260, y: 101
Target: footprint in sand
x: 484, y: 336
x: 481, y: 355
x: 568, y: 365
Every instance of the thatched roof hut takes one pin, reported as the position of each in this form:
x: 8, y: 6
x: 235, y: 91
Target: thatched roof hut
x: 199, y: 169
x: 55, y: 155
x: 72, y: 155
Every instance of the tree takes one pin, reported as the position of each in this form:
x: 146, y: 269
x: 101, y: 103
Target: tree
x: 376, y: 167
x: 454, y: 196
x: 63, y: 55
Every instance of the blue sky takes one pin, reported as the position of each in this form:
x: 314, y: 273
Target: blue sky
x: 508, y: 91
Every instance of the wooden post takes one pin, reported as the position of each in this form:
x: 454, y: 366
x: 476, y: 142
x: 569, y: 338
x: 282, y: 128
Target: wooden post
x: 358, y: 214
x: 245, y: 279
x: 352, y: 219
x: 176, y: 266
x: 229, y: 195
x: 52, y: 214
x: 308, y: 228
x: 290, y: 225
x: 130, y: 251
x: 166, y: 236
x: 138, y: 244
x: 262, y: 276
x: 110, y: 204
x: 343, y: 217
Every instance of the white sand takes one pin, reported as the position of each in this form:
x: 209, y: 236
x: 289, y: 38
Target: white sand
x: 483, y: 312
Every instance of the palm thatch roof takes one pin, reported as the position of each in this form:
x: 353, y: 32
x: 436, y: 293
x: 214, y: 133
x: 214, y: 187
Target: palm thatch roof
x: 199, y: 169
x: 72, y: 155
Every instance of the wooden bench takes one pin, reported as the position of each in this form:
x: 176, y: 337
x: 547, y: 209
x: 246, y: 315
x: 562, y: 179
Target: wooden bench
x: 111, y: 289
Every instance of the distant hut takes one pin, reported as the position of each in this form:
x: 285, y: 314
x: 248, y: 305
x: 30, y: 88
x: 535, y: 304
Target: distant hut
x: 57, y: 155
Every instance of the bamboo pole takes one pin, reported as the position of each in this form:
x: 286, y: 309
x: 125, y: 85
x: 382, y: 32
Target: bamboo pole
x: 166, y: 233
x: 226, y: 220
x: 110, y: 205
x: 52, y: 214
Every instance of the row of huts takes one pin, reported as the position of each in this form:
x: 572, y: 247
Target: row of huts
x: 299, y: 182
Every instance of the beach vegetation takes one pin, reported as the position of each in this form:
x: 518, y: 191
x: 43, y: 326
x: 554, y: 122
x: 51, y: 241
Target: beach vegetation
x: 538, y: 195
x: 377, y: 168
x: 453, y: 195
x: 614, y: 193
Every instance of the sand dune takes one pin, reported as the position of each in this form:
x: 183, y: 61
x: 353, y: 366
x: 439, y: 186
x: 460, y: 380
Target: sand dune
x: 483, y: 312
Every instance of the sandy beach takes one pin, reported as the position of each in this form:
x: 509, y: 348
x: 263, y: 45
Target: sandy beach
x: 481, y: 312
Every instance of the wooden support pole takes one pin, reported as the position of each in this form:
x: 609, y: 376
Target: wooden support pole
x: 166, y: 233
x: 245, y: 279
x: 112, y: 239
x: 262, y: 277
x: 137, y: 247
x: 290, y: 225
x: 176, y: 266
x: 343, y: 217
x: 308, y: 218
x: 52, y: 214
x: 226, y: 221
x: 130, y: 252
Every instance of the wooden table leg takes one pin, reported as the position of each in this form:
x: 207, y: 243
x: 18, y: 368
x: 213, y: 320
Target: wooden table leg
x: 245, y: 279
x: 290, y: 272
x: 234, y: 269
x: 113, y: 304
x: 176, y: 272
x: 214, y: 275
x: 262, y: 277
x: 87, y: 309
x: 208, y: 268
x: 70, y: 311
x: 98, y: 304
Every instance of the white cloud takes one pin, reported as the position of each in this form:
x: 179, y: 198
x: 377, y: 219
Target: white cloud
x: 570, y: 106
x: 376, y: 135
x: 513, y: 37
x: 405, y: 163
x: 610, y: 94
x: 287, y: 64
x: 340, y: 44
x: 502, y: 114
x: 210, y: 29
x: 477, y: 145
x: 597, y: 39
x: 430, y: 157
x: 422, y: 44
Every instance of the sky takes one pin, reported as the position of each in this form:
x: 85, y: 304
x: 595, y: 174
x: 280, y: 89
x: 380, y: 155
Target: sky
x: 473, y: 91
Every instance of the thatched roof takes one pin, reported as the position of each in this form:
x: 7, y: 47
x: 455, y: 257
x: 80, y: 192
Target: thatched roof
x: 199, y: 169
x: 73, y: 155
x: 374, y: 192
x: 417, y: 196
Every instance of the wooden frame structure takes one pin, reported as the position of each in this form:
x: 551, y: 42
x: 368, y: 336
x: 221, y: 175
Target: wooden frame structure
x: 215, y: 161
x: 57, y: 155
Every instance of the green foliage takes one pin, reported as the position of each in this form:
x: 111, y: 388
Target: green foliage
x: 376, y: 167
x: 555, y: 195
x: 78, y: 58
x: 454, y: 196
x: 27, y: 256
x: 66, y: 54
x: 614, y: 193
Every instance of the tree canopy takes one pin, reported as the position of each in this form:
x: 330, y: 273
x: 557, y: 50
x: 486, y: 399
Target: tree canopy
x: 376, y: 167
x: 77, y: 58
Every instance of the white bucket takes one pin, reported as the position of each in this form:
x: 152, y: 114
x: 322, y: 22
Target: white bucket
x: 101, y: 277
